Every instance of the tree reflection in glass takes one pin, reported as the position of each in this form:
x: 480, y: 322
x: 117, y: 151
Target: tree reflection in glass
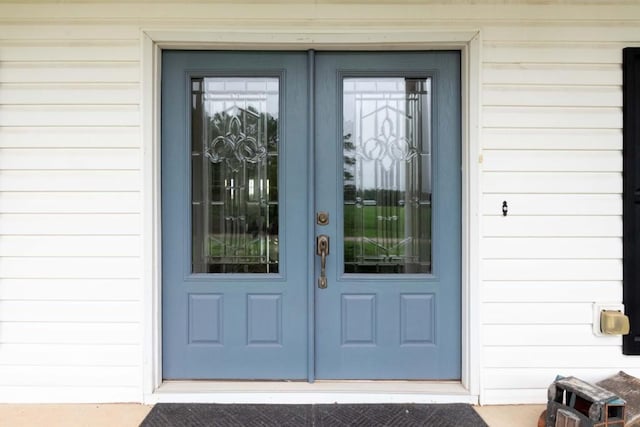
x: 234, y: 175
x: 387, y: 175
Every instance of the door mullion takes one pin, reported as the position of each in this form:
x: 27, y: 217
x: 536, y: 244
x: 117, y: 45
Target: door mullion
x: 311, y: 200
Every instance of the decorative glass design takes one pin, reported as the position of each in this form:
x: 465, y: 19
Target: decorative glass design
x: 234, y: 195
x: 387, y: 175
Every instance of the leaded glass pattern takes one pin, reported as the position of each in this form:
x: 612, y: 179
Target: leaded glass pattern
x: 234, y: 195
x: 387, y: 175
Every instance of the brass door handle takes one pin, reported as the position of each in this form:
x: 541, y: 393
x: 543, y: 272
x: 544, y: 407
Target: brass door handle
x: 322, y: 249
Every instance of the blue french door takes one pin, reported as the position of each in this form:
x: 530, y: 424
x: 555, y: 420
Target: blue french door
x: 388, y: 170
x: 234, y: 215
x: 246, y: 292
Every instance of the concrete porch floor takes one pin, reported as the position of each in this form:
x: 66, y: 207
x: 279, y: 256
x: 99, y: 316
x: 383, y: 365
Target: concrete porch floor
x: 125, y: 415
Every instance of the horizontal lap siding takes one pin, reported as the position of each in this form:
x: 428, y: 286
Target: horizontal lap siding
x: 70, y: 213
x: 552, y: 149
x: 70, y: 183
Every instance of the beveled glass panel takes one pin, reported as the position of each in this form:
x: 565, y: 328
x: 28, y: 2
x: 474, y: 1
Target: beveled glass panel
x: 234, y: 196
x: 387, y: 175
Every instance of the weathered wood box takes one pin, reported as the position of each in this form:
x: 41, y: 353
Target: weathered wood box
x: 576, y: 403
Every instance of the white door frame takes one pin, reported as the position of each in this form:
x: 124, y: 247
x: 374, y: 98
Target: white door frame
x: 154, y: 389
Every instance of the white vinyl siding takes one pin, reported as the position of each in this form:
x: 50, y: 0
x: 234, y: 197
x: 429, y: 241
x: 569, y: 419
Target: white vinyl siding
x: 71, y: 271
x: 552, y: 139
x: 70, y: 213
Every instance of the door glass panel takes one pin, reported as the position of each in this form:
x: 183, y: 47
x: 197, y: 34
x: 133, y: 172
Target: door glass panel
x: 387, y: 175
x: 234, y: 179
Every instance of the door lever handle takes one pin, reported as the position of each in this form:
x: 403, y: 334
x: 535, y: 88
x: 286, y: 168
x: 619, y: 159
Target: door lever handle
x: 322, y: 249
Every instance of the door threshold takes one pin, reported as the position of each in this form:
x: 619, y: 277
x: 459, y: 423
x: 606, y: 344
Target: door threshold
x: 321, y: 392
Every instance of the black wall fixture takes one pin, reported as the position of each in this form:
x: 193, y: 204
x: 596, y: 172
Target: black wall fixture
x: 631, y: 196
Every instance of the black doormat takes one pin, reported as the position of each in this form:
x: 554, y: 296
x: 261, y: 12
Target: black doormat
x: 188, y: 415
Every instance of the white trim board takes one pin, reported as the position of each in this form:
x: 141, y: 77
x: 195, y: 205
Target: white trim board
x: 318, y: 392
x: 468, y: 389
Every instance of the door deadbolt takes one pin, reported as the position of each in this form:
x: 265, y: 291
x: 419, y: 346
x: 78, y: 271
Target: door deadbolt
x: 322, y: 218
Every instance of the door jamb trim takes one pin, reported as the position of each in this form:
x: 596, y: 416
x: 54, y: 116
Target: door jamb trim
x: 153, y: 41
